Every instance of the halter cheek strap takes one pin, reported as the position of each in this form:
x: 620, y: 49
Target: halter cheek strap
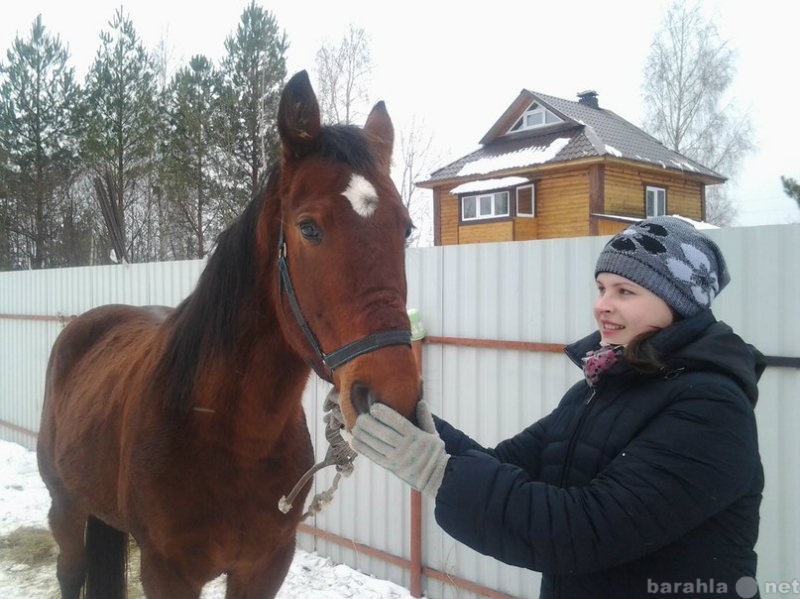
x: 324, y: 364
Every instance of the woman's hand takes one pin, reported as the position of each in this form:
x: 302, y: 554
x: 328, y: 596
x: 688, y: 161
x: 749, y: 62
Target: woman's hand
x: 415, y: 455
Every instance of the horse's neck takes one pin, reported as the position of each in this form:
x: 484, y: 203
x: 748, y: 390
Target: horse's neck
x: 258, y: 388
x: 248, y: 380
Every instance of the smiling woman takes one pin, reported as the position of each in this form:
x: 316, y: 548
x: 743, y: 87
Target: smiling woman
x: 624, y: 310
x: 649, y: 467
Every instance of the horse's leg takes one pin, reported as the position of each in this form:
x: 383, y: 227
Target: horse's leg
x: 265, y: 582
x: 161, y: 580
x: 68, y: 526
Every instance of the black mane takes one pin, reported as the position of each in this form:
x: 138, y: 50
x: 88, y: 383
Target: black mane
x: 346, y: 144
x: 204, y: 324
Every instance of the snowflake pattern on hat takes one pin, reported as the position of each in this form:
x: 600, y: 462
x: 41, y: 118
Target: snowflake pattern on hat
x: 670, y: 258
x: 697, y: 273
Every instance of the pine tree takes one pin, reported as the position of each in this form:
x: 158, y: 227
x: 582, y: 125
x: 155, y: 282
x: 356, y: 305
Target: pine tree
x: 122, y: 123
x: 38, y: 153
x: 792, y: 189
x: 189, y: 169
x: 254, y: 71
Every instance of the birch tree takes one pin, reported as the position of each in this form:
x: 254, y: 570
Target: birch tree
x: 686, y: 80
x: 343, y: 73
x: 414, y: 161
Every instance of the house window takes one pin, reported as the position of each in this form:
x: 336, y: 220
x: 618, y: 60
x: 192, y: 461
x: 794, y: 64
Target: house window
x: 526, y: 201
x: 655, y: 201
x: 535, y: 116
x: 485, y: 205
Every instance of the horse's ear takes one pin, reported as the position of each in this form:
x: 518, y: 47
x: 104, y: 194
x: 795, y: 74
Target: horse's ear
x: 381, y: 132
x: 298, y: 117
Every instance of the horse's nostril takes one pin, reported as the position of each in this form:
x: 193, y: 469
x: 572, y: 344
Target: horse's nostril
x: 362, y: 397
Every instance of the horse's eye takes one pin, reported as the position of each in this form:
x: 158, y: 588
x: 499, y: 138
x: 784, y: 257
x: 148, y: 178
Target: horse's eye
x: 310, y: 231
x: 409, y: 231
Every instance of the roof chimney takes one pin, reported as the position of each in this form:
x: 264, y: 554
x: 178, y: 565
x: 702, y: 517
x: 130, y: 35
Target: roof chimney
x: 588, y: 98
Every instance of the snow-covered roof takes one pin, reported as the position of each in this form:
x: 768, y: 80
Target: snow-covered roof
x: 697, y: 224
x: 586, y: 131
x: 487, y: 184
x: 515, y: 159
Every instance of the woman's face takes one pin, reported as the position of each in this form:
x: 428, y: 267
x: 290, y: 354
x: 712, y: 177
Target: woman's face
x: 624, y: 309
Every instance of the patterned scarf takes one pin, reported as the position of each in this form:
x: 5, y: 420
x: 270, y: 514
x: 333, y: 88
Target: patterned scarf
x: 597, y: 361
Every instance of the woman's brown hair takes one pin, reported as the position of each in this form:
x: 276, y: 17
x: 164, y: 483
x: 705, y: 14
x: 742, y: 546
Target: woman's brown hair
x: 642, y: 356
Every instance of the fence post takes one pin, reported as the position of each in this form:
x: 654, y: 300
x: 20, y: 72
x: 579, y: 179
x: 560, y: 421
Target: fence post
x: 415, y: 551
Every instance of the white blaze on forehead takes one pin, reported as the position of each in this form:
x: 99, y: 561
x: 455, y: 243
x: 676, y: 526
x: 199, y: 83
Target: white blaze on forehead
x: 362, y: 196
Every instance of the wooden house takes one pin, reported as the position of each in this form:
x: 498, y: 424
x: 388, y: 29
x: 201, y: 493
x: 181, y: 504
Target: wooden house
x: 558, y: 168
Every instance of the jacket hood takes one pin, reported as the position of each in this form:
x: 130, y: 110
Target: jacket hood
x: 696, y: 344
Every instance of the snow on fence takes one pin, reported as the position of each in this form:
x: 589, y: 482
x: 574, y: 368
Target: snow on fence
x: 496, y: 316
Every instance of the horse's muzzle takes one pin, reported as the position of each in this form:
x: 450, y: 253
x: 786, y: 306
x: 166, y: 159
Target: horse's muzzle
x: 362, y: 397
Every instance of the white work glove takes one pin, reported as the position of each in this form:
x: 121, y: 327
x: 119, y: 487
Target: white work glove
x: 415, y: 455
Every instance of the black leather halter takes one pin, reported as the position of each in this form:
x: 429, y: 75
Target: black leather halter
x: 325, y: 364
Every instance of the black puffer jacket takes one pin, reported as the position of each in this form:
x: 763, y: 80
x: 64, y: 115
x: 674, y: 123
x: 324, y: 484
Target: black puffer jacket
x: 643, y: 487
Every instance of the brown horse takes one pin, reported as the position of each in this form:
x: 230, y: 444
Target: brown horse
x: 184, y: 427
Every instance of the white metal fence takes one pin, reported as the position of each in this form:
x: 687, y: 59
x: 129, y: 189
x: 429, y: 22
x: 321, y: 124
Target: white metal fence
x: 538, y: 291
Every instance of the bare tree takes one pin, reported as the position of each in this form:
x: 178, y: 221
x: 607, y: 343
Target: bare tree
x: 687, y: 74
x: 415, y: 161
x: 343, y: 78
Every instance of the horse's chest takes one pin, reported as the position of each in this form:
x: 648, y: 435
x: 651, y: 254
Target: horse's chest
x: 223, y: 501
x: 227, y: 511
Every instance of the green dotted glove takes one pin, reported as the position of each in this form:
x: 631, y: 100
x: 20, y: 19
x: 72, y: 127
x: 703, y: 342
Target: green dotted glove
x: 415, y: 455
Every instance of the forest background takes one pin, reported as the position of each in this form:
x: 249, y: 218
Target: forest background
x: 148, y: 159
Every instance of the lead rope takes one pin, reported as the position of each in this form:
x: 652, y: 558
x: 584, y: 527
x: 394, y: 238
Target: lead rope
x: 339, y: 454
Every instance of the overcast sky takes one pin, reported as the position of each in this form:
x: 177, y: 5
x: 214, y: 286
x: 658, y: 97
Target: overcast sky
x: 455, y: 66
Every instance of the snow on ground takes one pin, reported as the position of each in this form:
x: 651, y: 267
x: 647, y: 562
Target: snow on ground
x: 24, y: 502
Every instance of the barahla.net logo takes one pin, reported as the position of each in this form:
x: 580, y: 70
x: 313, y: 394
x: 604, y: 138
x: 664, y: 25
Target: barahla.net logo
x: 746, y: 587
x: 688, y: 587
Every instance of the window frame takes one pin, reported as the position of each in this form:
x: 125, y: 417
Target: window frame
x: 477, y: 197
x: 548, y: 117
x: 532, y: 187
x: 654, y: 189
x: 511, y: 195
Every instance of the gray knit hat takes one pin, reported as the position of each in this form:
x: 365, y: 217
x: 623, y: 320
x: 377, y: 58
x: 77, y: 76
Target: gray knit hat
x: 671, y: 258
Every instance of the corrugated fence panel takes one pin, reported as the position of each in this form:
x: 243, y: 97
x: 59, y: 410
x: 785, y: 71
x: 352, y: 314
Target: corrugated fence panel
x: 62, y: 293
x: 761, y: 303
x: 538, y: 291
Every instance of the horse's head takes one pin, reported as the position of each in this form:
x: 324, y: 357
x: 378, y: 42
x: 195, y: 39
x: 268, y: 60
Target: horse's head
x: 342, y: 252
